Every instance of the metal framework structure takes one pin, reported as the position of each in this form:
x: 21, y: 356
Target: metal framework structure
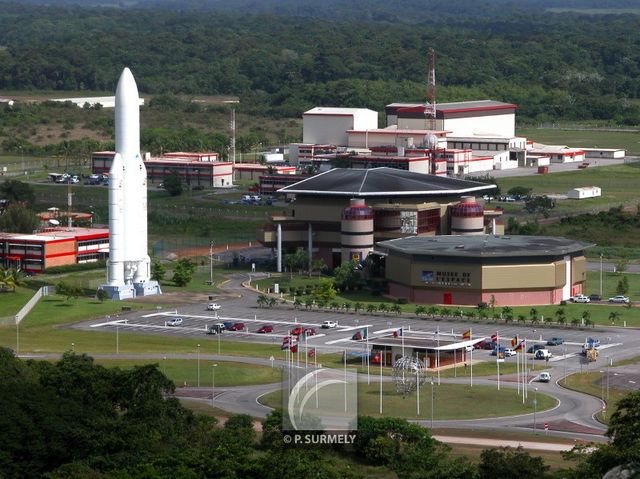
x: 430, y: 107
x: 408, y: 373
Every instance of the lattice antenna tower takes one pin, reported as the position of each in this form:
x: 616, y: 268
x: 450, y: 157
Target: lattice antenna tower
x: 430, y: 107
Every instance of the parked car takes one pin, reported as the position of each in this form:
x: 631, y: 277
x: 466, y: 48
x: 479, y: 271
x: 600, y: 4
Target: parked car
x: 237, y: 327
x: 619, y: 299
x: 213, y: 307
x: 495, y: 350
x: 227, y: 325
x: 535, y: 347
x: 297, y: 331
x: 542, y: 354
x: 544, y: 377
x: 508, y: 352
x: 488, y: 345
x: 217, y: 328
x: 329, y: 324
x: 595, y: 297
x: 310, y: 331
x: 267, y: 328
x: 174, y: 322
x: 581, y: 298
x: 555, y: 341
x: 592, y: 343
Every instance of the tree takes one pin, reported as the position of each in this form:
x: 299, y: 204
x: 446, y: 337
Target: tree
x: 68, y: 290
x: 533, y: 315
x: 623, y: 286
x: 262, y: 301
x: 101, y: 295
x: 347, y: 276
x: 614, y: 316
x: 17, y: 192
x: 17, y: 218
x: 173, y: 184
x: 508, y: 462
x: 183, y: 272
x: 395, y: 308
x: 519, y: 191
x: 507, y: 314
x: 539, y: 204
x: 158, y: 271
x: 420, y: 310
x: 383, y: 308
x: 357, y: 306
x: 318, y: 265
x: 10, y: 278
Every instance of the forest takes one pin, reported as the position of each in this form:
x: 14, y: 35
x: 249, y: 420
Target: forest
x: 555, y: 66
x: 74, y: 419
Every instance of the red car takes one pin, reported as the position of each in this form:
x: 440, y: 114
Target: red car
x: 267, y: 328
x: 297, y: 331
x: 237, y: 327
x: 310, y: 331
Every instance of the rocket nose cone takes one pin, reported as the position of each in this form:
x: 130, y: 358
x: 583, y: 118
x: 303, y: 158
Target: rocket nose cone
x: 127, y: 87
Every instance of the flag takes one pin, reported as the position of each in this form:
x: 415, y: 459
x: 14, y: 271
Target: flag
x: 514, y: 341
x: 312, y: 353
x: 398, y: 333
x: 360, y: 335
x: 284, y: 346
x: 294, y: 348
x: 520, y: 347
x: 494, y: 337
x: 466, y: 334
x: 286, y: 340
x: 303, y: 336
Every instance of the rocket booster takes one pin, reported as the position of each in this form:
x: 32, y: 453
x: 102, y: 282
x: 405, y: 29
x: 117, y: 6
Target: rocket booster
x: 128, y: 259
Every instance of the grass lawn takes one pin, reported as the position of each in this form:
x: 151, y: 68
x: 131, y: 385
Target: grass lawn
x: 182, y: 371
x: 451, y: 401
x: 584, y: 138
x: 594, y: 383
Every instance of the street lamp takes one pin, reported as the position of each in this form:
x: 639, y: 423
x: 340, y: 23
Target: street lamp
x: 535, y: 408
x: 600, y: 275
x: 211, y: 263
x: 213, y: 384
x: 602, y: 386
x: 198, y: 365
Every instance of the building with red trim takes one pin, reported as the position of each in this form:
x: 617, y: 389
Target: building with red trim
x: 34, y: 253
x: 195, y: 169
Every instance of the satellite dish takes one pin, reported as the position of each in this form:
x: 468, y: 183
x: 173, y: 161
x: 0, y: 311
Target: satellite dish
x: 53, y: 222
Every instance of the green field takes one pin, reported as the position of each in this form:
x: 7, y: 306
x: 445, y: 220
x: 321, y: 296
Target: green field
x: 185, y: 371
x: 451, y: 401
x: 627, y: 140
x: 594, y: 383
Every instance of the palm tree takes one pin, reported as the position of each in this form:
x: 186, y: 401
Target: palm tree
x: 383, y: 308
x: 614, y: 316
x: 445, y: 312
x: 262, y: 301
x: 507, y: 314
x: 357, y: 307
x: 371, y: 308
x: 297, y: 303
x: 522, y: 318
x: 271, y: 302
x: 586, y: 317
x: 533, y: 315
x: 560, y: 315
x: 432, y: 311
x: 396, y: 309
x: 575, y: 322
x: 346, y: 307
x: 420, y: 310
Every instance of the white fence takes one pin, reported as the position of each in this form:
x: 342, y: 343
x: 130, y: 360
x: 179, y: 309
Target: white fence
x: 26, y: 309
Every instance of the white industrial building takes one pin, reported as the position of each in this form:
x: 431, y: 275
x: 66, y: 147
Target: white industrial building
x: 394, y: 136
x: 584, y: 192
x: 604, y: 153
x: 558, y: 153
x: 329, y: 126
x: 105, y: 101
x: 464, y: 118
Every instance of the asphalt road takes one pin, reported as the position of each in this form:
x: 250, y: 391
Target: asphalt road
x: 573, y: 417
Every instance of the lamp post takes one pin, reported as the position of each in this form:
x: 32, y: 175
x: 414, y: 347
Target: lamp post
x: 211, y: 263
x: 602, y: 386
x: 73, y: 347
x: 117, y: 339
x: 213, y: 385
x: 198, y: 365
x: 535, y: 409
x: 432, y: 400
x: 600, y: 275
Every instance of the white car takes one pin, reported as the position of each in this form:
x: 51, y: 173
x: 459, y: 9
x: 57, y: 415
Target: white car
x: 508, y: 352
x: 329, y: 324
x: 542, y: 354
x: 581, y: 298
x: 619, y: 299
x: 213, y: 307
x: 174, y: 322
x: 544, y: 377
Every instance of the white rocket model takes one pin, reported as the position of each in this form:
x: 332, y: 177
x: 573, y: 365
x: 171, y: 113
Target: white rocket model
x: 128, y: 269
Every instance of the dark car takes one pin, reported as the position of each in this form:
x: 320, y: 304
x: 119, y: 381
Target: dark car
x: 227, y: 325
x: 310, y: 331
x: 216, y: 328
x: 502, y: 349
x: 488, y: 345
x: 297, y: 331
x: 535, y: 347
x: 267, y: 328
x: 237, y: 327
x: 556, y: 341
x: 595, y: 297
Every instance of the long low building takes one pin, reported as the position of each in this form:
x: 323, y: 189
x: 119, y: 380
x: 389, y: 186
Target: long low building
x: 499, y: 270
x: 34, y: 253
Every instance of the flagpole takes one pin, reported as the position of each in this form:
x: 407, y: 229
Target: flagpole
x: 381, y: 359
x: 471, y: 381
x: 315, y: 363
x: 498, y: 357
x: 438, y: 358
x: 368, y: 355
x: 306, y: 354
x: 345, y: 380
x: 518, y: 368
x: 417, y: 387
